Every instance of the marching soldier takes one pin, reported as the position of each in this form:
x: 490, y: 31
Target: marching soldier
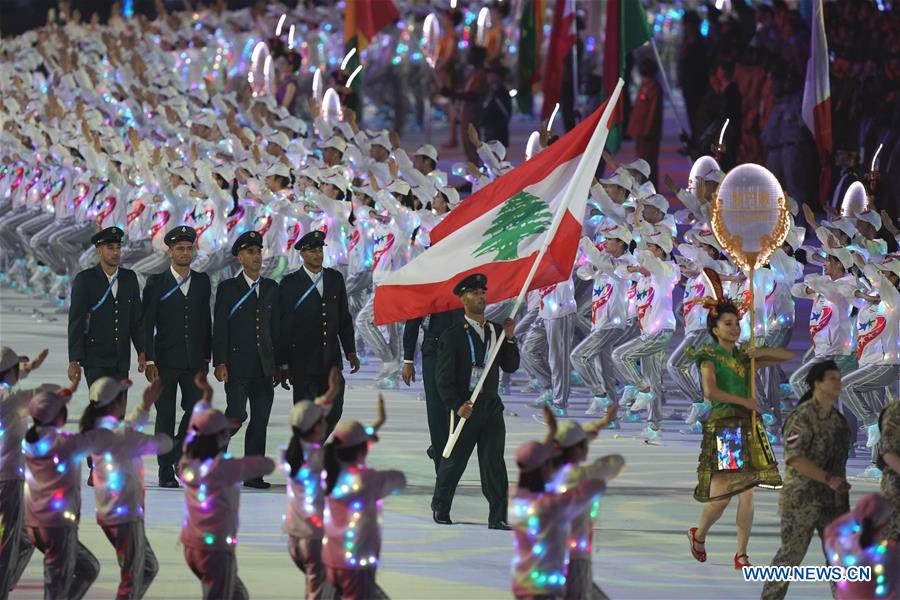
x: 462, y: 352
x: 817, y: 443
x: 316, y: 324
x: 178, y: 328
x: 438, y: 414
x: 244, y: 327
x: 104, y: 316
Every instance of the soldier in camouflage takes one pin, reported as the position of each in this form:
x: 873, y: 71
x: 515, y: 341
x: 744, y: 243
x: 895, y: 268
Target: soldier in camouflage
x: 816, y: 447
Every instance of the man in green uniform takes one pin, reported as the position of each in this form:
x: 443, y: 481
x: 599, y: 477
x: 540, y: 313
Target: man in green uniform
x: 178, y: 328
x: 245, y: 325
x: 462, y: 352
x: 816, y: 446
x: 438, y: 414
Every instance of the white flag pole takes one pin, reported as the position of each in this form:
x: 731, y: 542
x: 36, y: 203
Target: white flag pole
x: 585, y: 169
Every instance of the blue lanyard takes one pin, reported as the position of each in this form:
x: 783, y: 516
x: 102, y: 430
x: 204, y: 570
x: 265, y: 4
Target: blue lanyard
x: 311, y: 288
x: 245, y: 296
x: 106, y: 293
x: 487, y: 345
x: 177, y: 285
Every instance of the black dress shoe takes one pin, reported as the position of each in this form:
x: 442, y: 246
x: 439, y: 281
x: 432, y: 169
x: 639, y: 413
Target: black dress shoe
x: 430, y: 452
x: 90, y: 480
x: 257, y: 483
x: 169, y: 482
x: 502, y: 525
x: 441, y: 518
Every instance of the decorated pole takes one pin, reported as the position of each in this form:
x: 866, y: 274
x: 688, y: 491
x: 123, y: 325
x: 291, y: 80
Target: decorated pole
x: 585, y: 168
x: 750, y: 220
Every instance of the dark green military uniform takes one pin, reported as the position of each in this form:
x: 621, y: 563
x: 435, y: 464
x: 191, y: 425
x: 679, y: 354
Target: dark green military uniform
x: 485, y: 428
x: 244, y: 329
x: 808, y: 506
x: 103, y: 324
x: 438, y: 414
x: 179, y: 341
x: 314, y: 327
x: 889, y: 423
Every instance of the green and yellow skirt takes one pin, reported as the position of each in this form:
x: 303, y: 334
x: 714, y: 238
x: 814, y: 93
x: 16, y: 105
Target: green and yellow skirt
x: 736, y: 450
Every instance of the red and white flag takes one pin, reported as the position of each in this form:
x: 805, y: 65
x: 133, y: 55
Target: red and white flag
x: 562, y: 39
x: 499, y: 231
x: 816, y: 109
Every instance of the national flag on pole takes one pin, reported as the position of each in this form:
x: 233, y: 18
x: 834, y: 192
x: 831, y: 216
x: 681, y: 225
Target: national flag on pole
x: 816, y: 109
x: 531, y: 23
x: 562, y: 39
x: 499, y: 231
x: 626, y: 30
x: 362, y: 20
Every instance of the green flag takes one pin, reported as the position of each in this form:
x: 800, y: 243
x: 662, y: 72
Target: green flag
x: 529, y: 65
x: 626, y: 30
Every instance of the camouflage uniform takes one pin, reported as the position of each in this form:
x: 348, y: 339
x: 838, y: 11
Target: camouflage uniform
x: 807, y: 506
x: 890, y: 481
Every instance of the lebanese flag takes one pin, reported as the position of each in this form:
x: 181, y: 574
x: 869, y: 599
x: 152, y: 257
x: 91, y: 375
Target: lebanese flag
x: 499, y: 230
x: 816, y: 110
x: 562, y: 38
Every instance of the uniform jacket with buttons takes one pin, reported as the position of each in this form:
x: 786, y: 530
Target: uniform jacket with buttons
x: 100, y: 338
x: 454, y: 363
x: 179, y: 328
x: 240, y: 339
x: 314, y: 332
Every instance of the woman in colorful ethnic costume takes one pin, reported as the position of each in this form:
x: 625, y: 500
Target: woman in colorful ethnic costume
x: 735, y: 455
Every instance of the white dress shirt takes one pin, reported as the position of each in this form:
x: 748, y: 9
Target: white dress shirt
x: 250, y: 282
x: 320, y: 285
x: 186, y: 286
x: 115, y: 287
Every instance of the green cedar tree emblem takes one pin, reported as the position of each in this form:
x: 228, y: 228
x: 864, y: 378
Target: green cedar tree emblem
x: 522, y: 216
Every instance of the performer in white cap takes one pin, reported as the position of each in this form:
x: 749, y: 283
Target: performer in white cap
x: 119, y: 477
x: 352, y: 545
x: 830, y: 323
x: 877, y: 349
x: 302, y: 463
x: 657, y: 278
x: 211, y: 481
x: 15, y: 549
x: 592, y: 358
x: 53, y: 493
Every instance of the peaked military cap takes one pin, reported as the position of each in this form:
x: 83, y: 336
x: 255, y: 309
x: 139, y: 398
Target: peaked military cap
x: 313, y: 239
x: 182, y: 233
x: 110, y: 235
x: 475, y: 281
x: 248, y: 239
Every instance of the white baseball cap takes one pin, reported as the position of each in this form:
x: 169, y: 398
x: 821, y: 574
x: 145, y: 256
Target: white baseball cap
x: 450, y: 193
x: 661, y: 237
x: 658, y: 201
x: 871, y: 217
x: 335, y: 142
x: 45, y: 406
x: 8, y: 358
x: 619, y: 232
x: 640, y: 165
x: 305, y: 413
x: 351, y: 433
x: 570, y: 433
x: 427, y: 150
x: 620, y: 178
x: 107, y: 389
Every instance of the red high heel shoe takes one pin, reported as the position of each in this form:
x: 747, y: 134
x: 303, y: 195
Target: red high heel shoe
x: 699, y: 555
x: 741, y: 561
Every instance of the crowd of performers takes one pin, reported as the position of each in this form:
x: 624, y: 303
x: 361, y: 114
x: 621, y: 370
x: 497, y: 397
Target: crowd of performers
x: 103, y: 129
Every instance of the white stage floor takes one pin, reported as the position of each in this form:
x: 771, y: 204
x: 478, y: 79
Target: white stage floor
x: 640, y: 543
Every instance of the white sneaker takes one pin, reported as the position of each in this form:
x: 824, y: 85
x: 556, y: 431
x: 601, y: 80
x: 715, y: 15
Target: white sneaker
x: 650, y: 435
x: 695, y: 428
x: 641, y: 401
x: 871, y: 473
x: 543, y: 399
x: 627, y: 395
x: 698, y: 411
x: 874, y: 434
x: 597, y: 407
